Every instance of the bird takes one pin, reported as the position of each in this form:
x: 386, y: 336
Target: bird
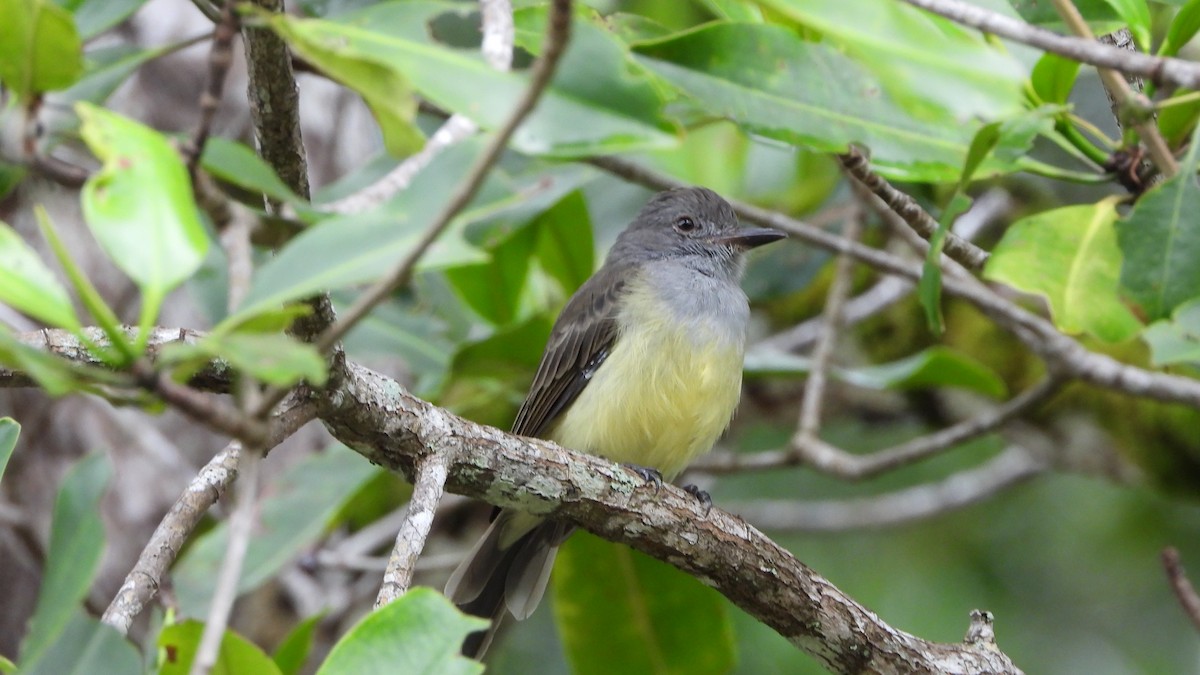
x: 643, y: 367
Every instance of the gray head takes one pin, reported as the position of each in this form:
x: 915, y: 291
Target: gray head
x: 694, y: 225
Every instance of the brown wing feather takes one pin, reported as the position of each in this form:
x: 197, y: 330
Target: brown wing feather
x: 578, y: 344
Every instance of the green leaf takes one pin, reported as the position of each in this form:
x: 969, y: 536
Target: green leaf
x: 83, y: 644
x: 561, y: 125
x: 238, y: 656
x: 10, y: 430
x: 384, y: 89
x: 496, y: 289
x: 292, y: 653
x: 565, y: 249
x: 397, y: 329
x: 294, y: 512
x: 1070, y: 256
x: 1182, y: 29
x: 929, y: 289
x: 39, y: 48
x: 907, y: 48
x: 933, y: 367
x: 1136, y: 15
x: 106, y: 69
x: 1054, y: 77
x: 1160, y: 239
x: 28, y: 286
x: 619, y: 611
x: 1178, y: 340
x: 773, y: 84
x: 11, y: 176
x: 237, y: 164
x: 344, y: 251
x: 140, y: 206
x: 597, y: 68
x: 94, y: 17
x: 76, y: 543
x: 421, y: 632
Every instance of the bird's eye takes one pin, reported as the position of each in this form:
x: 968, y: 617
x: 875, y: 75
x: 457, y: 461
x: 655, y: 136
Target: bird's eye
x: 685, y: 224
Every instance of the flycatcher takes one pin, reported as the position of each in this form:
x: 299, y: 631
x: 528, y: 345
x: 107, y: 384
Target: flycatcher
x: 643, y: 367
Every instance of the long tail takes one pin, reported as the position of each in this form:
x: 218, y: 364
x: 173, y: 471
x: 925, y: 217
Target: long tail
x: 507, y: 569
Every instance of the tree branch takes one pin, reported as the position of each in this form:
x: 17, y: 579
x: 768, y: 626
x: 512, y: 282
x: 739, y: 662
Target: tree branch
x: 396, y: 430
x: 1168, y: 71
x: 418, y: 520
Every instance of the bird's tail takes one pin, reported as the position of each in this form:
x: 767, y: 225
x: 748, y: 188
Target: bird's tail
x: 507, y: 569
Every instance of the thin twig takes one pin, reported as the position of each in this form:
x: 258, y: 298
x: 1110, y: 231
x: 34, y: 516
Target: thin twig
x: 1169, y: 71
x: 850, y: 466
x: 220, y: 58
x: 241, y: 526
x: 1127, y: 100
x: 1188, y: 598
x: 1009, y: 468
x: 200, y: 406
x: 857, y: 165
x: 143, y: 581
x: 831, y: 323
x: 410, y: 540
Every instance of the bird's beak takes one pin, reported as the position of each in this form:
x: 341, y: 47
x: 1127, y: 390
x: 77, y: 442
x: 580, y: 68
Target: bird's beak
x: 751, y: 238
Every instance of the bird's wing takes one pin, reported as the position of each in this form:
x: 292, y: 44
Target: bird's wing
x: 579, y: 343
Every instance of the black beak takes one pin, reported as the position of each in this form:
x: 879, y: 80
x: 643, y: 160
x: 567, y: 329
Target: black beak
x: 752, y: 237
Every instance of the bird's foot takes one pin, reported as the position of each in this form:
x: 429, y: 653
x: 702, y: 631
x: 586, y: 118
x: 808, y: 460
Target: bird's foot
x: 649, y: 475
x: 701, y: 496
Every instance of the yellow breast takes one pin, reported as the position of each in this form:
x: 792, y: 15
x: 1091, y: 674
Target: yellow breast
x: 663, y: 396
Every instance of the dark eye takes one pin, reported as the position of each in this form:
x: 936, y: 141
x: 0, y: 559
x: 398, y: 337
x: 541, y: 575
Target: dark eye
x: 685, y: 224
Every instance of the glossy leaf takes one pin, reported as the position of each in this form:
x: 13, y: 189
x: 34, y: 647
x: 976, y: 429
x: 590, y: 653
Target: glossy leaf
x: 1054, y: 77
x: 237, y: 656
x: 1178, y: 340
x: 294, y: 512
x: 420, y: 632
x: 1160, y: 240
x: 929, y: 288
x: 10, y: 431
x: 1069, y: 256
x: 560, y: 126
x: 619, y: 611
x: 292, y: 653
x: 238, y: 164
x: 273, y: 358
x: 28, y: 286
x: 399, y: 330
x: 384, y: 89
x: 776, y: 85
x: 140, y: 206
x: 907, y: 48
x: 76, y: 543
x: 83, y: 644
x: 1182, y: 29
x: 597, y: 68
x: 39, y: 48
